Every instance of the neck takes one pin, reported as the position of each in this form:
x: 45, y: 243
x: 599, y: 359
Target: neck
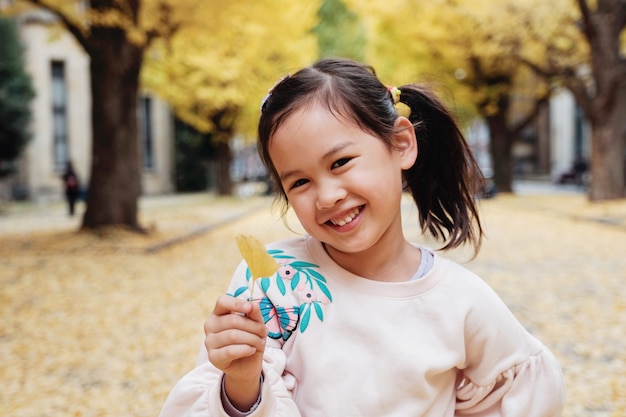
x: 398, y: 262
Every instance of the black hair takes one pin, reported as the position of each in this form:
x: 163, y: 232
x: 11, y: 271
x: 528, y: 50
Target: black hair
x: 444, y: 179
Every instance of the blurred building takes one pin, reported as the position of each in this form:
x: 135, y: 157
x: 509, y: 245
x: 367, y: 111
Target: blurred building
x: 555, y: 142
x: 61, y: 126
x: 569, y: 135
x: 549, y: 148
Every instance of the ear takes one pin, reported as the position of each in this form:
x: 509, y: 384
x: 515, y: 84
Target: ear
x: 405, y: 142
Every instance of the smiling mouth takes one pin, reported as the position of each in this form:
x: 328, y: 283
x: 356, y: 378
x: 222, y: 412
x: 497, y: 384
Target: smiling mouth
x: 342, y: 221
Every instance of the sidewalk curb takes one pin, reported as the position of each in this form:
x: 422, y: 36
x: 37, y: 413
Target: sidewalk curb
x: 201, y: 230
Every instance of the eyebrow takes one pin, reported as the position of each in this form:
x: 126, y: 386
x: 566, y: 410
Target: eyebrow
x: 334, y: 150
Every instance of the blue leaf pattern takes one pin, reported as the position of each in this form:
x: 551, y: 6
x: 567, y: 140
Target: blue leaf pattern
x: 306, y: 284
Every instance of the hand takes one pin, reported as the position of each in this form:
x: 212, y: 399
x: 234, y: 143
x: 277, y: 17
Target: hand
x: 235, y: 342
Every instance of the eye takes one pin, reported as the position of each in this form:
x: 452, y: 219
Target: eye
x: 298, y: 183
x: 340, y: 162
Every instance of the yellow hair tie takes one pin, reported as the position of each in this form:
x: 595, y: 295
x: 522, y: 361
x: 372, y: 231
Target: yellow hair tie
x: 395, y: 94
x: 401, y: 108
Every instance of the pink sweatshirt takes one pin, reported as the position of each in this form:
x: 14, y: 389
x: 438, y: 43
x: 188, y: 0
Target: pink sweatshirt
x: 342, y: 345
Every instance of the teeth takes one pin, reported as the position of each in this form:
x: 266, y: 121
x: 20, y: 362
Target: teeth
x: 349, y: 217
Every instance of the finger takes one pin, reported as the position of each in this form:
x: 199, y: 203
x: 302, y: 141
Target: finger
x: 227, y: 304
x: 235, y: 337
x: 226, y: 347
x: 217, y: 324
x: 222, y: 358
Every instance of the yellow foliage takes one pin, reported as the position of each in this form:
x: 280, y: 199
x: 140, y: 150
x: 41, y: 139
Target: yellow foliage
x: 209, y: 56
x: 109, y: 18
x: 151, y: 17
x: 227, y: 54
x: 441, y: 41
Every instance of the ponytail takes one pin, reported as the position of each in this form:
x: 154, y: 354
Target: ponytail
x: 444, y: 179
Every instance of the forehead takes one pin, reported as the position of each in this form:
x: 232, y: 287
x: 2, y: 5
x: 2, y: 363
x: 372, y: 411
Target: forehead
x: 312, y: 126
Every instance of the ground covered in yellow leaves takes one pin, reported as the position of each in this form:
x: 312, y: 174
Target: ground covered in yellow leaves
x: 104, y: 325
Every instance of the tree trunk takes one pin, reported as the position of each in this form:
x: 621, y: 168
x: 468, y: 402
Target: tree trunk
x: 115, y: 182
x: 500, y: 143
x: 224, y: 128
x: 224, y: 181
x: 605, y: 102
x: 607, y: 152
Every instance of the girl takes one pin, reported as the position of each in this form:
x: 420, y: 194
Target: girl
x: 358, y: 321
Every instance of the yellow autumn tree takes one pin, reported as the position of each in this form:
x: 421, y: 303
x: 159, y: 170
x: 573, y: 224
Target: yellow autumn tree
x: 227, y: 55
x: 217, y: 67
x: 470, y: 50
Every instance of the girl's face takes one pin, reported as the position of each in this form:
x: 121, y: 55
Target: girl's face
x: 344, y: 184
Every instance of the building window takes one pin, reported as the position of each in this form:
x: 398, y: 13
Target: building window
x: 59, y: 115
x: 145, y: 123
x: 579, y: 133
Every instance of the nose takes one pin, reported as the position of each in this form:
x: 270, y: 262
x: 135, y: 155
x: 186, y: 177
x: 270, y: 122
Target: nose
x: 329, y: 193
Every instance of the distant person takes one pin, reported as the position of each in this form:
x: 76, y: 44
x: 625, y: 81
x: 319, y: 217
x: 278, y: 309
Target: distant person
x: 580, y: 168
x: 72, y: 187
x: 358, y: 321
x: 577, y: 174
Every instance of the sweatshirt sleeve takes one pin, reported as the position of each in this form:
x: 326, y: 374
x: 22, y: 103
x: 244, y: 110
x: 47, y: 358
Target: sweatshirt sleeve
x: 198, y: 393
x: 507, y: 372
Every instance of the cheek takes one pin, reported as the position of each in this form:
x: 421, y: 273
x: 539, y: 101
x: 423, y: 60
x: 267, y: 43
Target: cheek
x: 384, y: 183
x: 384, y: 176
x: 304, y: 211
x: 300, y: 206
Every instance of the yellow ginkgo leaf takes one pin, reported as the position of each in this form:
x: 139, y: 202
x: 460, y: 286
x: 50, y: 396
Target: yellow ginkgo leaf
x: 260, y: 263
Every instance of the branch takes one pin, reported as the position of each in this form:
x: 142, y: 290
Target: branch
x: 615, y: 83
x: 74, y: 29
x: 168, y: 29
x: 544, y: 73
x: 517, y: 129
x: 620, y: 17
x: 579, y: 90
x: 588, y: 28
x: 568, y: 78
